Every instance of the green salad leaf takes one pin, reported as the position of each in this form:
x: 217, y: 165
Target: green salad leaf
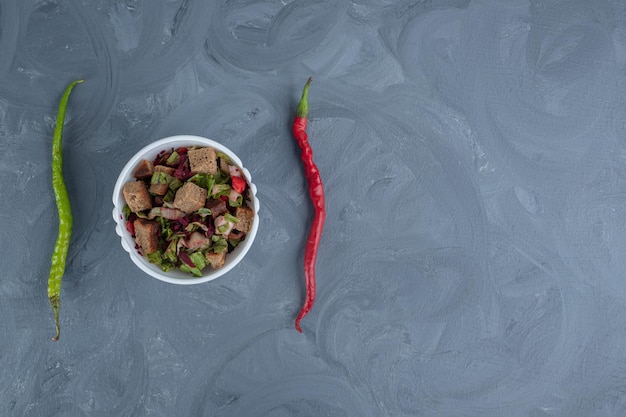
x: 238, y: 202
x: 199, y: 260
x: 203, y: 212
x: 160, y: 177
x: 205, y: 181
x: 223, y: 156
x: 165, y: 263
x: 230, y: 218
x: 219, y: 244
x: 173, y: 159
x: 126, y: 211
x: 219, y: 190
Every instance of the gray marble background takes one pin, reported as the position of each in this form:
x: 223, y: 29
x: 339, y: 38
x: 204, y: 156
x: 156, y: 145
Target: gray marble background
x: 474, y: 256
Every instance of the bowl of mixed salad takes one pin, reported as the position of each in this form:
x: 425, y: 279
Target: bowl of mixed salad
x: 185, y: 209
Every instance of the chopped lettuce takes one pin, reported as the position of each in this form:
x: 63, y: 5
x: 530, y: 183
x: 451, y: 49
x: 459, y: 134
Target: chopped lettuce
x: 171, y: 253
x: 224, y: 224
x: 219, y: 190
x: 219, y: 244
x: 160, y: 177
x: 173, y: 159
x: 166, y: 231
x: 186, y: 268
x: 126, y: 211
x: 169, y: 196
x: 203, y: 212
x: 235, y: 199
x: 199, y: 261
x: 205, y: 181
x: 162, y: 261
x: 193, y: 226
x: 223, y: 156
x: 230, y: 218
x: 221, y: 177
x: 236, y: 203
x: 175, y: 184
x: 165, y: 212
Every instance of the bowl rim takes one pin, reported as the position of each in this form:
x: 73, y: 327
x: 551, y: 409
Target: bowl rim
x: 127, y: 241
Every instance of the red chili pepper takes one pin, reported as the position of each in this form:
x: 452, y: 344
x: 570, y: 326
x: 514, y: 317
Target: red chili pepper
x: 316, y: 193
x: 239, y: 184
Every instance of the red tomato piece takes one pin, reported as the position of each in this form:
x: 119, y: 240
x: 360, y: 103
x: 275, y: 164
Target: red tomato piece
x: 239, y: 184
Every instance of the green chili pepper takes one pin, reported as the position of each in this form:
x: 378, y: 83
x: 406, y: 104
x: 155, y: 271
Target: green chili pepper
x: 59, y: 256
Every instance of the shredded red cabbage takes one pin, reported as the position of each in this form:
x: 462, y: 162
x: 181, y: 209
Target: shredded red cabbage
x: 183, y: 170
x: 186, y: 259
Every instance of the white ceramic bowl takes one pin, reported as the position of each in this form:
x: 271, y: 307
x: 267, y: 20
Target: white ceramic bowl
x: 128, y: 243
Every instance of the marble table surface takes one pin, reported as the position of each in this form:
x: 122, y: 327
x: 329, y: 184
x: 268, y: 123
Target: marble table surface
x: 473, y: 261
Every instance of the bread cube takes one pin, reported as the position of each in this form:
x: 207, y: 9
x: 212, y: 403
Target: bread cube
x: 190, y: 198
x: 245, y: 215
x: 147, y: 235
x: 203, y: 160
x: 136, y: 196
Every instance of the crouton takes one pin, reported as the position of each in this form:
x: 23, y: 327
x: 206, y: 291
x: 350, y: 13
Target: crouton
x: 159, y: 189
x: 216, y: 260
x: 147, y: 235
x: 163, y: 168
x: 190, y: 198
x: 143, y: 170
x: 203, y: 160
x: 245, y: 215
x: 137, y: 196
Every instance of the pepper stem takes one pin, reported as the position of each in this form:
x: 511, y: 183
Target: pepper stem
x: 303, y: 106
x: 55, y: 303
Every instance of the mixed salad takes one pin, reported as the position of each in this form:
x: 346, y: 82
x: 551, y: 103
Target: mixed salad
x: 187, y: 209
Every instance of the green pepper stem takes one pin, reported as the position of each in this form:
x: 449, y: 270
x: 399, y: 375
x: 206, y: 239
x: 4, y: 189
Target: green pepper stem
x: 303, y: 106
x: 55, y: 303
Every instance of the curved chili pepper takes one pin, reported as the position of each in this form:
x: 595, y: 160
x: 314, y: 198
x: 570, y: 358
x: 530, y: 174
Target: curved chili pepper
x: 316, y: 193
x: 59, y: 256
